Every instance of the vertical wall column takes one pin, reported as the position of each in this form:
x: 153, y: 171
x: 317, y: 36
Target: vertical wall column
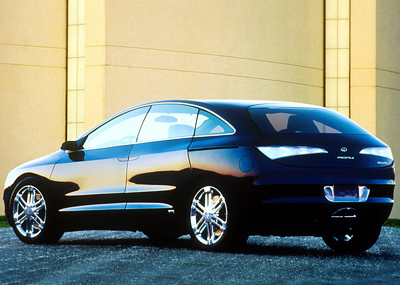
x: 95, y: 59
x: 363, y: 63
x: 76, y: 69
x: 337, y: 55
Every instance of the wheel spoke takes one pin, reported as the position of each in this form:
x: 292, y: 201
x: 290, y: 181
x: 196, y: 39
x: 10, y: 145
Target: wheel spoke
x: 38, y: 221
x: 209, y: 234
x: 198, y: 207
x: 30, y: 199
x: 200, y: 222
x: 221, y: 224
x: 20, y: 218
x: 200, y: 230
x: 218, y: 206
x: 20, y: 200
x: 213, y: 237
x: 207, y: 197
x: 38, y: 205
x: 29, y: 228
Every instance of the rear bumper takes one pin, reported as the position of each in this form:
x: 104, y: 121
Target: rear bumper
x: 304, y: 210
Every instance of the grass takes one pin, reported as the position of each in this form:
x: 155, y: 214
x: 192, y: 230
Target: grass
x: 393, y: 223
x: 3, y: 222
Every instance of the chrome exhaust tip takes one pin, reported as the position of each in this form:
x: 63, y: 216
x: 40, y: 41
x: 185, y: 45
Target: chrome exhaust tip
x: 344, y: 213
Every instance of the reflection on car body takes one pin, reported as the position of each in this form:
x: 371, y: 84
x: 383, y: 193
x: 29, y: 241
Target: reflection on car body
x: 218, y: 170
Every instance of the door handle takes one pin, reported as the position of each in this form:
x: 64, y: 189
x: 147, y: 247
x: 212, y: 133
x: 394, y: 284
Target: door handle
x: 134, y: 157
x: 126, y: 158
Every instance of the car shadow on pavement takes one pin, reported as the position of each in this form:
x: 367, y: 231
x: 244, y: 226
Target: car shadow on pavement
x: 249, y: 248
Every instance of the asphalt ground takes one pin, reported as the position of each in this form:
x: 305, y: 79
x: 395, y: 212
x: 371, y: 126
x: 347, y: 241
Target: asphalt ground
x: 109, y: 257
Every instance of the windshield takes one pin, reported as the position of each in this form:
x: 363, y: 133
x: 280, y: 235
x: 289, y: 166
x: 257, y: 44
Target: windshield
x: 303, y: 120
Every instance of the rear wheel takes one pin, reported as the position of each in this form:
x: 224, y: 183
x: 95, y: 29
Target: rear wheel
x: 31, y: 217
x: 214, y: 218
x: 353, y: 239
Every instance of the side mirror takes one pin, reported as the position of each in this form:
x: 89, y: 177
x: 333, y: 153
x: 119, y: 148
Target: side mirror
x: 70, y: 145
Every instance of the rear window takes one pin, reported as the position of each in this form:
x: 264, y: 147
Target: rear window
x: 303, y: 120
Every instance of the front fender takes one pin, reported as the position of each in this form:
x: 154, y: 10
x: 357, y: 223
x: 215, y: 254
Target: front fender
x: 42, y: 166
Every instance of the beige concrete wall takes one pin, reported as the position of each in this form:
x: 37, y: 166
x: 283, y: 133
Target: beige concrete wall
x: 205, y: 49
x: 363, y: 63
x: 388, y: 79
x: 32, y: 80
x: 95, y: 52
x: 76, y: 68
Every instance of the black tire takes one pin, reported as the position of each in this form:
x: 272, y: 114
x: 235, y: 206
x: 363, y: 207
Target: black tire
x: 214, y: 217
x: 355, y: 239
x: 32, y: 216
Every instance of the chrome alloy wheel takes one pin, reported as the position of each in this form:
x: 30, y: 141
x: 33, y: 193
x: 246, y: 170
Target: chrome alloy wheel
x: 29, y: 211
x: 209, y: 215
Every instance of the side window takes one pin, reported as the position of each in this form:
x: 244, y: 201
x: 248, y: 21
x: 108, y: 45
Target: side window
x: 208, y: 124
x: 167, y: 122
x: 120, y: 130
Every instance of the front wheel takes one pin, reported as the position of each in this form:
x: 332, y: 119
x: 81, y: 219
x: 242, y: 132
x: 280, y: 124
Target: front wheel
x: 214, y: 218
x: 31, y: 216
x: 354, y: 239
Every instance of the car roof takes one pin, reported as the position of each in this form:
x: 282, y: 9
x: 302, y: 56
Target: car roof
x: 221, y: 103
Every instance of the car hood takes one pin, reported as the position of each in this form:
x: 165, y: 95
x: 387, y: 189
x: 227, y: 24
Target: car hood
x: 341, y: 151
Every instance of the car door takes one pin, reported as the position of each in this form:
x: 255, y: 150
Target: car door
x: 99, y: 168
x: 158, y: 164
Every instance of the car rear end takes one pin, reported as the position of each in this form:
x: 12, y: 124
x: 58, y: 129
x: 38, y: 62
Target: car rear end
x: 318, y: 171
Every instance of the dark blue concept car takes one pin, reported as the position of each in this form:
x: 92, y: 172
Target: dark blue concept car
x: 217, y: 170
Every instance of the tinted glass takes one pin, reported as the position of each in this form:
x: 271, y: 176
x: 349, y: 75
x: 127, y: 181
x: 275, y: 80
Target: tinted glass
x: 308, y: 121
x: 168, y: 121
x: 120, y: 130
x: 208, y: 124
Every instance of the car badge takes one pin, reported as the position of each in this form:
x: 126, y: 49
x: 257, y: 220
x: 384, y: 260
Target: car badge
x: 343, y: 149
